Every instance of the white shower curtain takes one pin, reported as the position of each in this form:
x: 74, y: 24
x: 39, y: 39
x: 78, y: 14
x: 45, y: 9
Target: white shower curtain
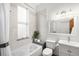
x: 4, y: 29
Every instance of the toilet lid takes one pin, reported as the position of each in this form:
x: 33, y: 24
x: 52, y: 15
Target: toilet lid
x: 47, y: 51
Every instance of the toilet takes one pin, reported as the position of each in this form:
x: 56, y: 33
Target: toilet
x: 50, y: 46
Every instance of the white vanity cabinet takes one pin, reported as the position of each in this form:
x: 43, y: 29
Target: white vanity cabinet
x: 68, y: 48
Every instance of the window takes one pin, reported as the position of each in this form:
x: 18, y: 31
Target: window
x: 23, y: 22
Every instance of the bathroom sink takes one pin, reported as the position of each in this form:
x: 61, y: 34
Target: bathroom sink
x: 69, y: 43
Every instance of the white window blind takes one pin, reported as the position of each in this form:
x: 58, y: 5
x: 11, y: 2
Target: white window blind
x: 23, y: 22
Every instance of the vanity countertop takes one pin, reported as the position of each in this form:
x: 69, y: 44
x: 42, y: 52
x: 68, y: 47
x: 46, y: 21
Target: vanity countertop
x: 70, y: 43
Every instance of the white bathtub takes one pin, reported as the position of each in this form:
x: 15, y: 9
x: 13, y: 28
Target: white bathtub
x: 30, y: 50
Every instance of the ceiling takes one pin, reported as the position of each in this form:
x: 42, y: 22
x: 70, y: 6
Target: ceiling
x: 34, y: 5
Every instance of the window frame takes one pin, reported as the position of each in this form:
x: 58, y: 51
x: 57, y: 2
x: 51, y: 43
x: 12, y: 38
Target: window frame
x: 23, y: 23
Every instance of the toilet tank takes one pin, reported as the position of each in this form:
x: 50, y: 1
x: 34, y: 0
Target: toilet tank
x: 51, y: 44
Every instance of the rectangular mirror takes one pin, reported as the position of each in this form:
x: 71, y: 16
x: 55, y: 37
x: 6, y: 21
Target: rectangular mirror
x: 61, y: 25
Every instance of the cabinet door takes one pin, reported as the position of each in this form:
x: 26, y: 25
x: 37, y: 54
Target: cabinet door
x: 63, y: 48
x: 74, y: 51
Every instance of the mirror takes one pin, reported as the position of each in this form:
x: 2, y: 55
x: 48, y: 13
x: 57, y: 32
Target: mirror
x: 61, y: 25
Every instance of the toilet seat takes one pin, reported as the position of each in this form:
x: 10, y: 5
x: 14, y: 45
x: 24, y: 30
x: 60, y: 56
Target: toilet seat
x: 47, y: 52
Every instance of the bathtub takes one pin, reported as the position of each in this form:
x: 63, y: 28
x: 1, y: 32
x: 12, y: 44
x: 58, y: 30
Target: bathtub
x: 29, y: 50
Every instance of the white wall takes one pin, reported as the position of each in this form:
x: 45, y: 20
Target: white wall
x: 42, y: 24
x: 14, y: 44
x: 52, y: 9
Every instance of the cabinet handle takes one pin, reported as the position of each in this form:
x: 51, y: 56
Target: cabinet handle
x: 69, y: 51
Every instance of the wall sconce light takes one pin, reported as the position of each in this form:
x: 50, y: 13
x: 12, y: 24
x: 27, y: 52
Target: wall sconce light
x: 63, y: 12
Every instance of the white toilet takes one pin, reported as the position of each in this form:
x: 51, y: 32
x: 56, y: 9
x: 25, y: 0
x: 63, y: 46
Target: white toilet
x: 50, y: 46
